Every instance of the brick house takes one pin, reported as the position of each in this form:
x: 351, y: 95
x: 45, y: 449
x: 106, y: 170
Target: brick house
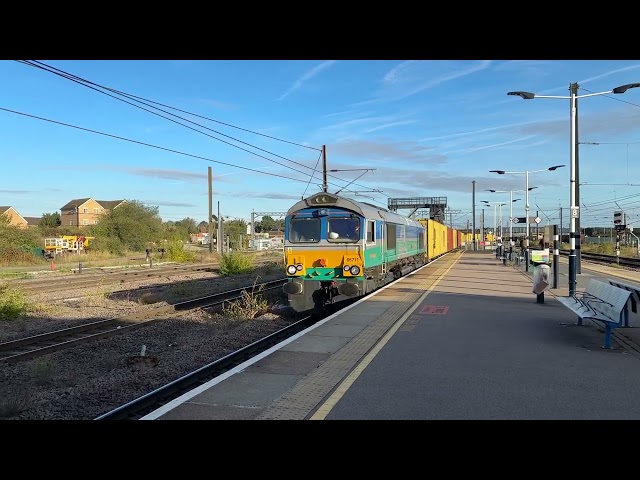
x: 86, y: 211
x: 15, y: 219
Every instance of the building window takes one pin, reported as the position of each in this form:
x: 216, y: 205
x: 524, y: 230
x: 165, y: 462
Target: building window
x: 85, y: 222
x: 85, y: 210
x: 70, y: 222
x: 95, y: 222
x: 95, y: 210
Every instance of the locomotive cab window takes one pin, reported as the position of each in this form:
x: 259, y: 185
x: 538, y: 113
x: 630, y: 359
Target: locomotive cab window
x: 304, y: 230
x: 343, y: 230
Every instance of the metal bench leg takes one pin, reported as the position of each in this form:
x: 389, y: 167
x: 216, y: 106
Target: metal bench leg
x: 607, y: 335
x: 626, y: 315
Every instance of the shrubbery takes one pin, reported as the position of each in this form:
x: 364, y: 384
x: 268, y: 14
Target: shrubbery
x: 12, y: 303
x: 235, y: 263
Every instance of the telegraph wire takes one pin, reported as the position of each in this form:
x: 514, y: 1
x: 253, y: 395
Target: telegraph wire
x: 69, y: 77
x: 151, y: 145
x: 612, y: 98
x: 88, y: 83
x: 80, y: 79
x: 311, y: 178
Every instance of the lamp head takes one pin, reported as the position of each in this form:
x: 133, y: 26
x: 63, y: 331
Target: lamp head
x: 525, y: 95
x: 624, y: 88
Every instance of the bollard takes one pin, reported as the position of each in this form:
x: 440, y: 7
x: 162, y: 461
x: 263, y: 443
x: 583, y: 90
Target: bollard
x: 53, y: 267
x: 79, y: 267
x: 150, y: 262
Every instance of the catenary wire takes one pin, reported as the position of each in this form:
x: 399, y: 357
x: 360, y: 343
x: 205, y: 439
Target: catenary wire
x: 167, y: 106
x: 88, y: 83
x: 68, y: 76
x: 150, y: 145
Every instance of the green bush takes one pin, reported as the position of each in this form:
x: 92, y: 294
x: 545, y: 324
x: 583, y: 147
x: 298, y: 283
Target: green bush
x: 235, y: 263
x: 12, y: 303
x: 177, y: 253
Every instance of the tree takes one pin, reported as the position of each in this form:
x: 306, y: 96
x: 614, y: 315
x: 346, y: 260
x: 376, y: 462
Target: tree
x: 180, y: 230
x: 50, y: 220
x: 236, y: 231
x: 132, y: 226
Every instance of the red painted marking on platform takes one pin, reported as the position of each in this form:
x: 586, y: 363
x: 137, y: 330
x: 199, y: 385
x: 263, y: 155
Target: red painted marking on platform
x: 435, y: 310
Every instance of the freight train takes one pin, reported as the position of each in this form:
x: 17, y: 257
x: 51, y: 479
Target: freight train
x: 337, y: 249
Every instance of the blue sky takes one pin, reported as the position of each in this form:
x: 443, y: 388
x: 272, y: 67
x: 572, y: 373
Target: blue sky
x: 425, y: 128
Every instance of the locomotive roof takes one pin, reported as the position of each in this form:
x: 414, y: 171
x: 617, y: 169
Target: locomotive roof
x: 330, y: 200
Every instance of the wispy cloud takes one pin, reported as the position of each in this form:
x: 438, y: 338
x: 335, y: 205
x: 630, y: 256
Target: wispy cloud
x: 269, y: 195
x: 612, y: 72
x: 389, y: 125
x: 495, y: 145
x: 164, y: 203
x: 17, y: 192
x: 306, y: 77
x: 474, y: 132
x: 392, y: 75
x: 382, y: 150
x: 412, y: 77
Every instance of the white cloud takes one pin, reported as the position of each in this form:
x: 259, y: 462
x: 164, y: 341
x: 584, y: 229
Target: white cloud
x: 307, y: 76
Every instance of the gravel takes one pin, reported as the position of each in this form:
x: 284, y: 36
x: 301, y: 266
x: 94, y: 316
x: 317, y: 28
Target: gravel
x: 88, y: 380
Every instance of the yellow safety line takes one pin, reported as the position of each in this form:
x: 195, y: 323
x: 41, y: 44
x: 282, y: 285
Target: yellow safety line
x: 333, y: 399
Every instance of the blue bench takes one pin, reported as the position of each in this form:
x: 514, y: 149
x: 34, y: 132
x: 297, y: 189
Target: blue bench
x: 600, y: 301
x: 634, y: 298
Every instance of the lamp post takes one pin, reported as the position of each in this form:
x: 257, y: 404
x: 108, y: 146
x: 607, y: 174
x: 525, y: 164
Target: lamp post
x: 496, y: 224
x: 511, y: 200
x: 526, y: 207
x: 574, y: 193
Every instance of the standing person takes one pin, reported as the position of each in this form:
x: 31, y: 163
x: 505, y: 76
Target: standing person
x: 512, y: 245
x: 522, y: 246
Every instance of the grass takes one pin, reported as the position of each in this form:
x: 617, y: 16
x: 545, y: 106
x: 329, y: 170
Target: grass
x: 251, y: 304
x: 235, y: 263
x: 13, y: 303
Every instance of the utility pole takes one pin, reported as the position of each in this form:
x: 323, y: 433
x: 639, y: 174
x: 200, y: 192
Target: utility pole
x: 324, y: 168
x: 560, y: 226
x: 574, y: 89
x: 219, y: 242
x: 210, y: 211
x: 482, y: 227
x: 473, y: 201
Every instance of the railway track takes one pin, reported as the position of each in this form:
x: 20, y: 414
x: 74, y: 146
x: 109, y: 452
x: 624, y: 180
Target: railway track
x: 607, y: 259
x: 141, y: 406
x: 31, y: 347
x: 80, y: 281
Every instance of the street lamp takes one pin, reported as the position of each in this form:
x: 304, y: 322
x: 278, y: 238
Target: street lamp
x: 575, y: 210
x: 511, y: 200
x: 526, y: 207
x: 496, y: 224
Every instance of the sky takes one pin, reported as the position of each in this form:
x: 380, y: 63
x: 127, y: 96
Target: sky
x: 391, y: 129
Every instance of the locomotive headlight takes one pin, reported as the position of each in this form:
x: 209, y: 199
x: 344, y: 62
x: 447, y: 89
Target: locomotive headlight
x: 299, y: 267
x: 346, y: 268
x: 355, y: 270
x: 291, y: 269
